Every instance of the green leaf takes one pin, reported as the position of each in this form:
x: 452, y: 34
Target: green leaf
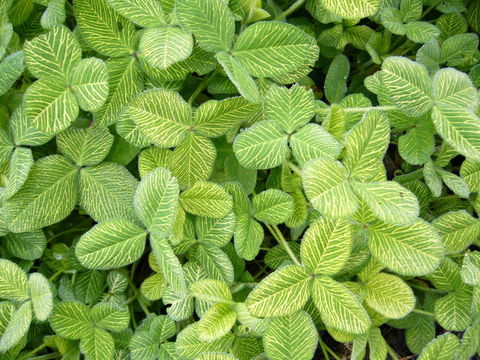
x: 421, y: 31
x: 6, y: 146
x: 103, y: 29
x: 239, y: 76
x: 454, y: 183
x: 89, y: 83
x: 153, y: 287
x: 156, y: 201
x: 338, y: 306
x: 414, y: 249
x: 41, y: 296
x: 389, y: 295
x: 291, y: 108
x: 215, y: 356
x: 215, y: 231
x: 51, y: 185
x: 97, y: 344
x: 124, y: 81
x: 336, y: 79
x: 193, y: 159
x: 211, y: 21
x: 50, y: 105
x: 212, y: 291
x: 89, y: 286
x: 418, y: 144
x: 273, y: 206
x: 272, y: 48
x: 168, y: 263
x: 206, y: 199
x: 282, y: 293
x: 109, y: 317
x: 111, y: 244
x: 459, y: 127
x: 215, y: 262
x: 53, y: 54
x: 106, y: 192
x: 418, y: 337
x: 326, y: 246
x: 442, y: 348
x: 85, y: 146
x: 145, y: 13
x: 189, y: 345
x: 216, y: 322
x: 262, y: 146
x: 215, y: 118
x: 458, y: 230
x: 27, y: 245
x: 453, y: 312
x: 407, y: 84
x: 248, y: 236
x: 54, y: 14
x: 470, y: 172
x: 366, y: 145
x: 10, y: 69
x: 390, y: 201
x: 70, y: 319
x: 162, y: 116
x: 452, y: 87
x: 17, y: 327
x: 292, y: 337
x: 471, y: 268
x: 312, y: 142
x: 13, y: 282
x: 357, y: 8
x: 164, y: 46
x: 21, y: 162
x: 325, y: 185
x: 22, y: 131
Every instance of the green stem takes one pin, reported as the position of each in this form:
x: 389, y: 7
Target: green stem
x: 295, y: 168
x: 54, y: 276
x: 67, y: 232
x: 424, y: 288
x: 277, y: 234
x: 138, y: 296
x: 392, y: 352
x: 50, y: 356
x: 326, y: 350
x: 202, y: 86
x: 423, y: 312
x: 33, y: 352
x: 290, y: 10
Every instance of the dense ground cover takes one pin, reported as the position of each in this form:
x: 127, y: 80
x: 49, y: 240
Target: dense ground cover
x: 238, y: 179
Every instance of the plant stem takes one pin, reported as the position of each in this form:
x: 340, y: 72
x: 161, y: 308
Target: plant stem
x: 290, y: 10
x: 326, y: 350
x: 54, y: 276
x: 295, y: 168
x: 67, y: 232
x: 33, y: 352
x: 277, y: 234
x: 424, y: 288
x: 202, y: 86
x: 50, y: 356
x: 423, y: 312
x: 392, y: 352
x: 137, y: 295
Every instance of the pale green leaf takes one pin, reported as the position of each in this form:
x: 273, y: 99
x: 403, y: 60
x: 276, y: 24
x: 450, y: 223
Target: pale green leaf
x: 326, y: 246
x: 111, y: 244
x: 454, y: 183
x: 421, y: 31
x: 471, y: 268
x: 162, y: 116
x: 248, y: 236
x: 89, y: 83
x: 40, y: 295
x: 17, y: 327
x: 458, y: 230
x: 21, y: 162
x: 357, y: 8
x: 215, y: 262
x: 153, y: 157
x: 52, y: 185
x: 272, y: 48
x: 106, y: 192
x: 281, y: 293
x: 153, y: 287
x: 407, y: 249
x: 389, y: 295
x: 70, y: 319
x: 272, y: 206
x: 103, y: 29
x: 50, y: 105
x: 453, y: 311
x: 212, y: 291
x: 338, y: 306
x: 206, y: 199
x: 292, y: 337
x: 164, y: 46
x: 216, y: 322
x: 85, y: 146
x: 366, y: 145
x: 13, y: 282
x: 211, y: 21
x: 325, y: 185
x: 336, y: 79
x: 54, y: 14
x: 146, y: 13
x: 22, y: 131
x: 459, y: 127
x: 312, y: 142
x: 110, y: 317
x: 407, y: 84
x: 390, y: 201
x: 215, y: 231
x: 53, y: 54
x: 27, y: 245
x: 262, y: 146
x: 470, y: 172
x: 455, y: 88
x: 10, y: 69
x: 193, y: 159
x: 6, y: 146
x: 442, y: 348
x: 292, y: 108
x: 156, y: 201
x: 97, y: 344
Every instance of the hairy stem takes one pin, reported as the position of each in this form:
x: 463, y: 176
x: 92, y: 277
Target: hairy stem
x: 290, y: 10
